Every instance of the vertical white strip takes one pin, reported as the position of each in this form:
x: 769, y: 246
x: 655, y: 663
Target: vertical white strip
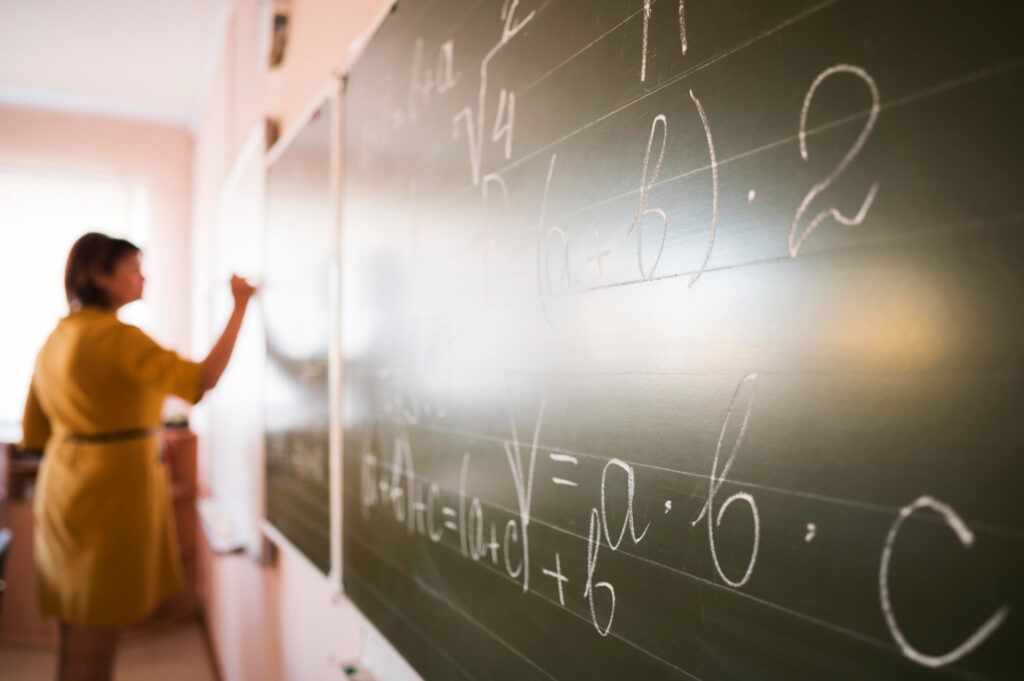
x: 334, y: 361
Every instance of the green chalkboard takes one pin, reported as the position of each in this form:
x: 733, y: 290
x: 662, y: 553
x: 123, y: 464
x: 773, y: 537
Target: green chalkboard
x: 683, y: 340
x: 301, y: 233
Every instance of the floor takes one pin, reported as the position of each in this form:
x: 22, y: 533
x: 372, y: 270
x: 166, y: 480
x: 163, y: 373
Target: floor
x: 172, y: 655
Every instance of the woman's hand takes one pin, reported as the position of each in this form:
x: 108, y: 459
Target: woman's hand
x: 217, y: 360
x: 241, y: 290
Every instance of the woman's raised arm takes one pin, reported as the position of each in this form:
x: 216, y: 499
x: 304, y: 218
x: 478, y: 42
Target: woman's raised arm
x: 217, y: 360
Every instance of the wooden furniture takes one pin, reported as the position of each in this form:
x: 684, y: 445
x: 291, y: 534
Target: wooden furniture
x: 20, y: 619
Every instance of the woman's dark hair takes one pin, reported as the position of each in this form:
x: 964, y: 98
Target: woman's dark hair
x: 93, y: 252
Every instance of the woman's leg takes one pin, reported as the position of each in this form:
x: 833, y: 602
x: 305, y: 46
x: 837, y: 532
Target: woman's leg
x: 86, y: 653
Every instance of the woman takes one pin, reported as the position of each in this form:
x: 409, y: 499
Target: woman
x: 105, y: 548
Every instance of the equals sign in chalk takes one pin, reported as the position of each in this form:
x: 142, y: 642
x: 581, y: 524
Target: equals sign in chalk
x: 449, y: 513
x: 563, y: 458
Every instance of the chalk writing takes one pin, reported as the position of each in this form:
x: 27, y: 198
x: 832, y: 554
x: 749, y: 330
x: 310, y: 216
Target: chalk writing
x: 590, y: 590
x: 303, y: 453
x: 493, y: 545
x: 635, y: 366
x: 506, y: 113
x: 433, y: 493
x: 646, y: 18
x: 714, y: 189
x: 646, y: 183
x: 418, y: 504
x: 558, y: 576
x: 542, y: 234
x: 599, y: 254
x: 718, y: 477
x: 966, y: 538
x: 522, y: 475
x: 796, y: 242
x: 628, y: 519
x: 475, y: 124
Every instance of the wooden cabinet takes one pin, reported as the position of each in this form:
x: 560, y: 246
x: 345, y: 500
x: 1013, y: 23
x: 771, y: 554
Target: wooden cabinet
x: 20, y: 619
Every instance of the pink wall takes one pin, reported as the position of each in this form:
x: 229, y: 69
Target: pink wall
x: 278, y: 621
x: 158, y: 156
x: 266, y: 622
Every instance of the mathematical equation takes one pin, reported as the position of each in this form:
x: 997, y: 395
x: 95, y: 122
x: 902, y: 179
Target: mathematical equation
x: 565, y: 263
x: 545, y: 252
x: 444, y: 511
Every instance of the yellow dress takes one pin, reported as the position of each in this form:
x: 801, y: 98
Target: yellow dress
x: 105, y: 548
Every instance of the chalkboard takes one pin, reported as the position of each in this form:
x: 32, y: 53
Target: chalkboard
x: 683, y: 340
x: 234, y: 425
x: 295, y: 295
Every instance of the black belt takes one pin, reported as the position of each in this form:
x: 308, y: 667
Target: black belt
x: 99, y: 438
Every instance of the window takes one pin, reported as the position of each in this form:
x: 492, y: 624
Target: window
x: 41, y: 215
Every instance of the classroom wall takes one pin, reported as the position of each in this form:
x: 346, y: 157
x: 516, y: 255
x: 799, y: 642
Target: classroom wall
x: 277, y: 621
x: 159, y: 156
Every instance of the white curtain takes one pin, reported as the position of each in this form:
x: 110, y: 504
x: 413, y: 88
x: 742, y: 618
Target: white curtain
x: 41, y: 215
